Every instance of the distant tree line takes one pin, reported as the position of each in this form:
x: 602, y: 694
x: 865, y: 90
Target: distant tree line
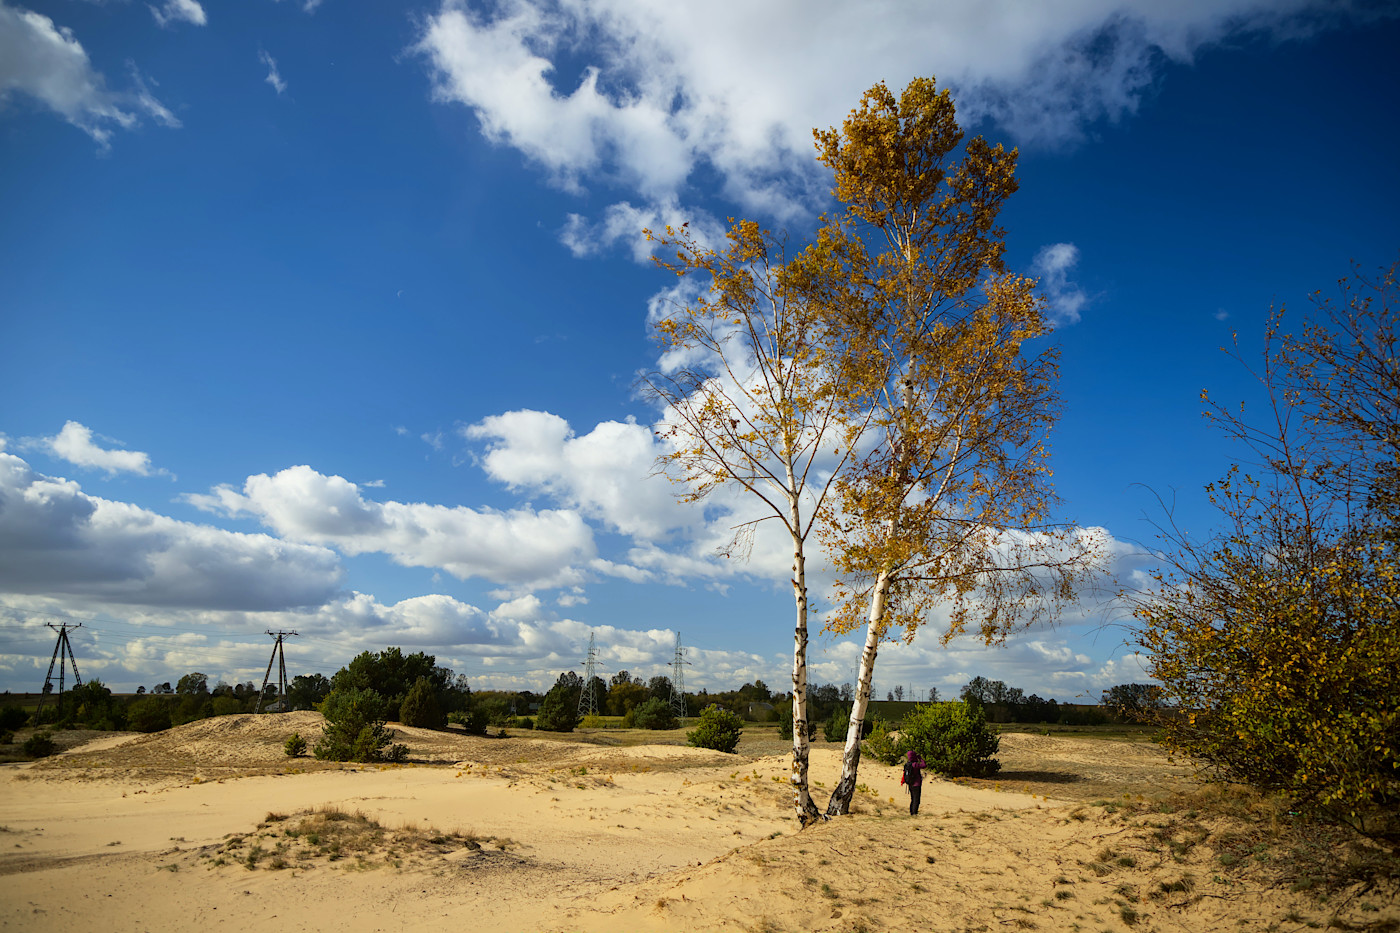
x: 413, y: 689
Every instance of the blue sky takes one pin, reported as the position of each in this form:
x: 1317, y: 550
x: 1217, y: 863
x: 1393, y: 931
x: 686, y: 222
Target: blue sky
x: 328, y: 316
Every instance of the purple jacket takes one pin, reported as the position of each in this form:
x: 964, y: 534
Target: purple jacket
x: 914, y: 770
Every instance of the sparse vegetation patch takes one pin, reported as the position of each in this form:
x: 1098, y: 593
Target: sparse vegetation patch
x: 332, y: 837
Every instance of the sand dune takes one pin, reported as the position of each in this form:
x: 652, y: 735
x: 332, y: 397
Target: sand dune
x: 154, y: 833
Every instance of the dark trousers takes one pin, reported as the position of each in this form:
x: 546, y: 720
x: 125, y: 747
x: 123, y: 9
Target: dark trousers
x: 914, y: 790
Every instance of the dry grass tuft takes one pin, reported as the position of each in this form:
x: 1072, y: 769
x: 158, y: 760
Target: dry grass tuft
x: 328, y: 835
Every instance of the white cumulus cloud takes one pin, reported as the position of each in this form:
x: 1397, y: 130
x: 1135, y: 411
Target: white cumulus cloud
x: 179, y: 11
x: 605, y: 474
x: 56, y: 539
x: 643, y: 94
x: 75, y: 445
x: 521, y: 547
x: 47, y: 63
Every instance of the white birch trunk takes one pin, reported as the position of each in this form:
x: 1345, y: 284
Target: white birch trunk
x: 807, y: 811
x: 845, y: 789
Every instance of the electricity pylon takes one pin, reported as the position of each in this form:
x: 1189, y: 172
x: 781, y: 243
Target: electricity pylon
x: 280, y: 657
x: 678, y: 680
x: 587, y: 700
x: 62, y: 652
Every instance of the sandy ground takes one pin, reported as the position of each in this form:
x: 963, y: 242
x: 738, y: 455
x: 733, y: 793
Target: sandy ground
x: 154, y: 833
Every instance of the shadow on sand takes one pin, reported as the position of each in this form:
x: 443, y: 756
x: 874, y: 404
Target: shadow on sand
x: 1042, y: 777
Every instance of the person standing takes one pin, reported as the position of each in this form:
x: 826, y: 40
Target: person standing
x: 913, y: 780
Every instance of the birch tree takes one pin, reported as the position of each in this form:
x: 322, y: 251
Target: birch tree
x: 751, y: 403
x: 950, y: 388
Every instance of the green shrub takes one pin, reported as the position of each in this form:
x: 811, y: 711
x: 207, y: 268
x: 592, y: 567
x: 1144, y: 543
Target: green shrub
x: 7, y: 737
x: 655, y: 713
x: 295, y: 746
x: 1087, y: 716
x: 718, y: 729
x: 559, y: 710
x: 40, y: 745
x: 835, y: 728
x: 355, y: 729
x: 420, y: 708
x: 882, y: 745
x: 47, y: 716
x: 785, y: 729
x: 472, y: 720
x: 953, y: 738
x: 147, y: 714
x: 226, y: 706
x: 493, y: 711
x: 12, y: 717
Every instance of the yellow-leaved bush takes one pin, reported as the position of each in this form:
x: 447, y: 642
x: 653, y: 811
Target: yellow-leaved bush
x: 1278, y: 641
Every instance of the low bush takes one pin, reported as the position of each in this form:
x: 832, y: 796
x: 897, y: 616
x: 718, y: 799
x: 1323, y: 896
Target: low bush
x: 883, y: 745
x: 47, y: 716
x: 655, y: 713
x: 295, y: 746
x: 953, y: 738
x: 472, y: 720
x: 12, y: 717
x: 226, y: 706
x: 835, y: 728
x: 524, y: 722
x: 355, y: 729
x: 40, y: 745
x: 1082, y: 716
x: 718, y: 729
x: 148, y: 714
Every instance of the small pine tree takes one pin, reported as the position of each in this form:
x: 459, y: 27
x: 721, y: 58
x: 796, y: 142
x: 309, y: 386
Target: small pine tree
x: 558, y: 710
x: 355, y: 729
x: 655, y: 713
x: 295, y: 746
x: 718, y: 729
x: 421, y: 708
x: 835, y: 728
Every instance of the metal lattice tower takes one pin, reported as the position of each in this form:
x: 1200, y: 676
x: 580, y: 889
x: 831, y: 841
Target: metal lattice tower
x: 280, y: 657
x: 587, y: 700
x: 63, y: 655
x: 678, y: 680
